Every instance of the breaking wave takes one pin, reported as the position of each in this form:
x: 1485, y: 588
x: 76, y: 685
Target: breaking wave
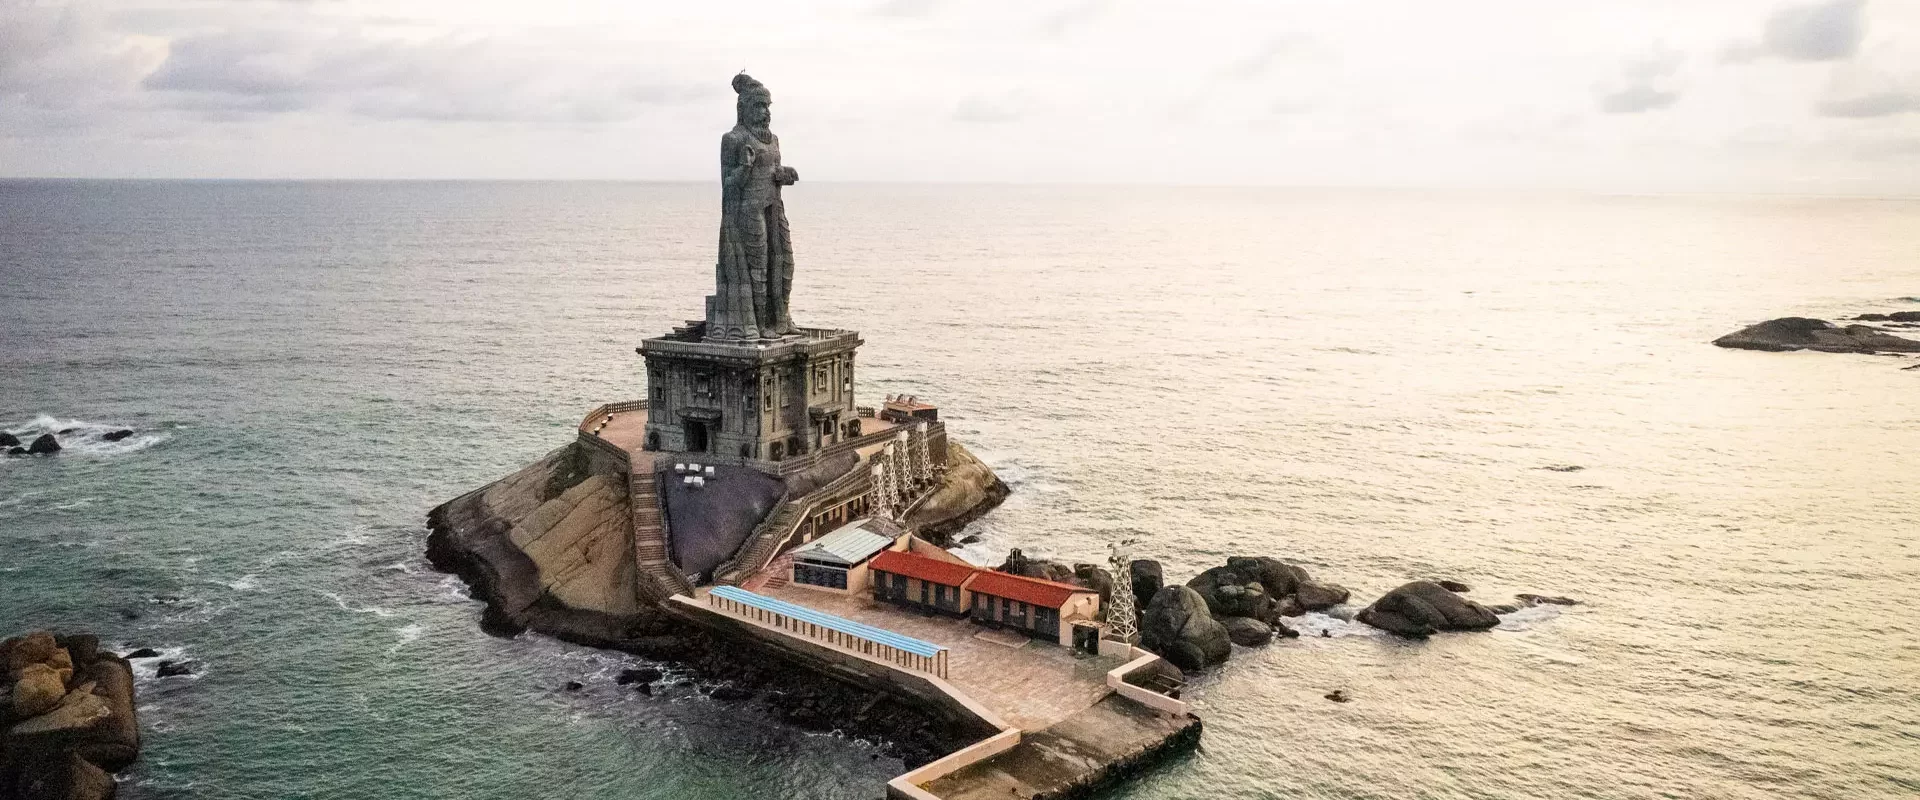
x: 80, y: 437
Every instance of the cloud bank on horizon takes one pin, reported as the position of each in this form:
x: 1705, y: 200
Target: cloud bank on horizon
x: 1651, y: 95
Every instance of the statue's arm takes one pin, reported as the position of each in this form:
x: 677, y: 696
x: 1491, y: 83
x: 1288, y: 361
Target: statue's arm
x: 735, y: 161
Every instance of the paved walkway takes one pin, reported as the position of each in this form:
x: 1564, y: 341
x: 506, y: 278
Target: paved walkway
x: 1031, y: 686
x: 628, y: 430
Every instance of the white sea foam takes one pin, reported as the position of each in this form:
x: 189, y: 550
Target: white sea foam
x: 345, y: 606
x: 1334, y: 623
x: 246, y: 583
x: 85, y: 438
x: 1527, y: 617
x: 408, y: 634
x: 148, y: 669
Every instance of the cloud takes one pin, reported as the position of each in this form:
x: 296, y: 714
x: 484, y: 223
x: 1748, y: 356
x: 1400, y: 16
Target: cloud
x: 61, y: 57
x: 1828, y: 31
x: 1279, y: 48
x: 906, y: 8
x: 975, y: 108
x: 1879, y: 104
x: 1066, y: 19
x: 1866, y: 89
x: 447, y: 79
x: 1644, y: 84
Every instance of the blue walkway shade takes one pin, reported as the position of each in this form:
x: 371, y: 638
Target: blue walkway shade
x: 906, y: 644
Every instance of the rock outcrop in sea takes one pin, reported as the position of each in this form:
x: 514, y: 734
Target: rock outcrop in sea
x: 1803, y: 333
x: 1422, y: 608
x: 68, y: 718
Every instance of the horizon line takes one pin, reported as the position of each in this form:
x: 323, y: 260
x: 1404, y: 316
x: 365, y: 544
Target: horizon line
x: 1504, y: 189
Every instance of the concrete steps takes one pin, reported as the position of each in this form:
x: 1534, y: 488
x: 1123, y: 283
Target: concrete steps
x: 650, y: 531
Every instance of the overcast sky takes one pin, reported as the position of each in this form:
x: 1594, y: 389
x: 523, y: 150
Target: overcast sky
x: 1653, y: 95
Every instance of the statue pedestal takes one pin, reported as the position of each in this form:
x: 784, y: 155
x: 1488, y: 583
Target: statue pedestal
x: 768, y: 400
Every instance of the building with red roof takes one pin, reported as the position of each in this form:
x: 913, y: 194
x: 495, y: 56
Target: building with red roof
x: 929, y: 578
x: 1041, y: 608
x: 922, y: 581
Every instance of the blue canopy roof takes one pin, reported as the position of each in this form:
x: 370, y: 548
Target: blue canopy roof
x: 828, y: 621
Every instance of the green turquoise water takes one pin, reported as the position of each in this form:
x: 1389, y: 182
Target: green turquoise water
x: 1369, y: 383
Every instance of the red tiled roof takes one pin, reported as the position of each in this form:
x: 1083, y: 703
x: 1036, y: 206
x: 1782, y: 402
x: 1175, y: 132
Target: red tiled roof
x: 1024, y: 589
x: 945, y: 573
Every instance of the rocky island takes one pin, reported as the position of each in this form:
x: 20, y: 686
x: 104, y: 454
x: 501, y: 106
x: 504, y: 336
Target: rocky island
x: 748, y: 518
x: 1788, y: 334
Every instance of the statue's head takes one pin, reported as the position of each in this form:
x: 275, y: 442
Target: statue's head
x: 754, y: 108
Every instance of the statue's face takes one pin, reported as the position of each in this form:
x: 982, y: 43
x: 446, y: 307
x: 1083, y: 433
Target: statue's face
x: 759, y: 113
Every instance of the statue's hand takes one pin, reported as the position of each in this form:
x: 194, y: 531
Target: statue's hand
x: 786, y: 176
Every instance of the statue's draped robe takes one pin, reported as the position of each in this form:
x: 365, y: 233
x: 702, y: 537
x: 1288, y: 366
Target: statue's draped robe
x: 756, y: 250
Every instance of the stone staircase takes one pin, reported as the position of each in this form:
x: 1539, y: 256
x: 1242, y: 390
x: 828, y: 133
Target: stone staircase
x: 771, y: 533
x: 775, y: 576
x: 650, y: 531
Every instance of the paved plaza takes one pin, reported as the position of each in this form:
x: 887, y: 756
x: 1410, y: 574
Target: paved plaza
x: 1031, y: 686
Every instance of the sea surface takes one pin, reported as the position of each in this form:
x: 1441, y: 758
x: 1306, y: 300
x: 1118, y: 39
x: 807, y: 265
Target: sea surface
x: 1378, y: 385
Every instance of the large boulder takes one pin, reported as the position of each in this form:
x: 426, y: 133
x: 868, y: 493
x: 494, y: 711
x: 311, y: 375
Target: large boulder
x: 1421, y: 608
x: 1147, y: 576
x: 1231, y: 591
x: 1247, y: 632
x: 1316, y: 596
x: 1279, y: 577
x: 37, y: 691
x: 1018, y: 563
x: 7, y: 439
x: 1803, y: 333
x: 34, y: 648
x: 65, y: 778
x: 1094, y: 577
x: 1177, y: 626
x: 45, y: 445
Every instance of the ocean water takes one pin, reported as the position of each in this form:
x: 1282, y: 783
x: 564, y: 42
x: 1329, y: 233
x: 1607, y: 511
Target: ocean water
x: 1373, y: 384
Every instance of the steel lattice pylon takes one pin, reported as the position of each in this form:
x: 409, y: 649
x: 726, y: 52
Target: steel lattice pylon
x: 1122, y: 618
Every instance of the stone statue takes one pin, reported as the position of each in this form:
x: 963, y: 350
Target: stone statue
x: 755, y: 271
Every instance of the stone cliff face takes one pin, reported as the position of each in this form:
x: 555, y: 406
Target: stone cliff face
x: 550, y: 548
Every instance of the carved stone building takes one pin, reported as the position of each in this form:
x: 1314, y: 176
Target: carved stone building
x: 769, y: 399
x: 746, y: 381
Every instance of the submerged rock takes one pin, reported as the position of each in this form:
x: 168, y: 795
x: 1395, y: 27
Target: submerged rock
x: 44, y: 445
x: 643, y: 675
x: 1803, y: 333
x: 114, y: 436
x: 1178, y: 626
x: 1421, y: 608
x: 169, y: 669
x: 7, y: 439
x: 144, y: 652
x: 1537, y: 599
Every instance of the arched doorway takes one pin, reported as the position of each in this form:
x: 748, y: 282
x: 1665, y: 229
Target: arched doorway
x: 696, y: 433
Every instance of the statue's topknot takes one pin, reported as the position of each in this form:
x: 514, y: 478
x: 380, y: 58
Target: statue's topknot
x: 744, y: 85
